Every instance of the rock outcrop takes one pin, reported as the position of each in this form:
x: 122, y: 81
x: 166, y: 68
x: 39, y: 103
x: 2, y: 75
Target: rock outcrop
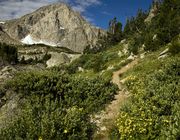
x: 153, y: 12
x: 57, y: 59
x: 54, y: 25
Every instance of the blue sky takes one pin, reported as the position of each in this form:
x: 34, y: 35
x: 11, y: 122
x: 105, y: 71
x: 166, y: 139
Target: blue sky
x: 98, y: 12
x: 122, y: 9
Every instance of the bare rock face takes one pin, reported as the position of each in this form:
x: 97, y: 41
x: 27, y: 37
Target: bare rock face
x: 32, y: 54
x: 54, y: 25
x: 57, y: 59
x: 153, y: 12
x: 5, y: 38
x: 6, y: 73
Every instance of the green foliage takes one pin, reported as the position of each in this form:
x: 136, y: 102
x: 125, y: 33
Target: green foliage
x: 114, y: 133
x: 57, y: 105
x: 115, y: 31
x: 153, y: 109
x: 134, y: 29
x: 132, y: 47
x: 165, y: 26
x: 174, y: 47
x: 44, y: 118
x: 96, y: 62
x: 80, y: 62
x: 113, y: 37
x: 8, y: 53
x: 167, y: 21
x: 151, y: 43
x: 135, y: 25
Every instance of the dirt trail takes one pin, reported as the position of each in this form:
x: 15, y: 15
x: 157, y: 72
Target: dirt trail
x: 105, y: 119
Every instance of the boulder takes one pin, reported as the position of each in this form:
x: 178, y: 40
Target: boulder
x: 57, y: 59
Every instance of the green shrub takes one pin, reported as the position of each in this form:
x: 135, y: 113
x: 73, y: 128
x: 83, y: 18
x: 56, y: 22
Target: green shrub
x: 57, y: 105
x: 114, y: 133
x: 174, y: 47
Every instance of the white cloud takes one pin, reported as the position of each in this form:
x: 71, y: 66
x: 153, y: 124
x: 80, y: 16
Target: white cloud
x: 79, y: 8
x: 16, y: 8
x: 106, y: 13
x: 89, y: 19
x: 10, y: 9
x: 82, y: 5
x: 87, y: 3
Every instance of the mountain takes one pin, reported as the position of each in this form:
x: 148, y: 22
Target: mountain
x: 53, y: 25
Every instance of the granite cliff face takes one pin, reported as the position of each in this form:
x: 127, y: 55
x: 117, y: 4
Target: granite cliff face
x: 54, y: 25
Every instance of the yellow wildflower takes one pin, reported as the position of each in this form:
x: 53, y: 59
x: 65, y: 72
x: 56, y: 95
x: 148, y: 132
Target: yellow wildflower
x: 65, y: 131
x: 40, y: 138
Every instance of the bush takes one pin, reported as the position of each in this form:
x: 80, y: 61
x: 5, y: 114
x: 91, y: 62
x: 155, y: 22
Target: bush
x: 57, y: 105
x: 152, y: 44
x: 174, y: 47
x: 88, y: 61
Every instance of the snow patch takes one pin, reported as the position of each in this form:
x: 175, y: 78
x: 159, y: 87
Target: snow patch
x: 30, y: 41
x: 2, y: 22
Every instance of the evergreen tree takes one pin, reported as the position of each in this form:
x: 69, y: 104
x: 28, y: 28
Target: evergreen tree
x: 115, y: 31
x: 8, y: 53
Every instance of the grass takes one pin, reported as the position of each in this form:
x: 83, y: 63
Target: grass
x: 110, y: 62
x: 146, y: 65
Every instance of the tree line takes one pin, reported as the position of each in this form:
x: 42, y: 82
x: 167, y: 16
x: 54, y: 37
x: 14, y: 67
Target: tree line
x: 8, y: 54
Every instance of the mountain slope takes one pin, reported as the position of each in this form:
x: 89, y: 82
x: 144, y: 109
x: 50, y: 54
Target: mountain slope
x: 5, y: 38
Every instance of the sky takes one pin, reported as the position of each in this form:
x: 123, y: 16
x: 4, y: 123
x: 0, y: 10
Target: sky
x: 98, y: 12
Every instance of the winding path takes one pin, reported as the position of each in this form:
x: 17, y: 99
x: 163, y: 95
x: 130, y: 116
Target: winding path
x: 105, y: 119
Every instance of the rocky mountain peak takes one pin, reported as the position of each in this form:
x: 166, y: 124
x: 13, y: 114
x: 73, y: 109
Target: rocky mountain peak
x: 54, y: 25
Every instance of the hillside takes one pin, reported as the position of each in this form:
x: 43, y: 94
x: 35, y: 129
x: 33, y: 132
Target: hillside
x: 126, y: 87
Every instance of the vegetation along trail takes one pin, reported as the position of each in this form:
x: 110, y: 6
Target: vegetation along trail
x: 105, y: 119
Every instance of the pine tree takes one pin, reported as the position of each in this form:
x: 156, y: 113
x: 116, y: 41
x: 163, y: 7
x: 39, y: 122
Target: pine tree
x: 115, y: 31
